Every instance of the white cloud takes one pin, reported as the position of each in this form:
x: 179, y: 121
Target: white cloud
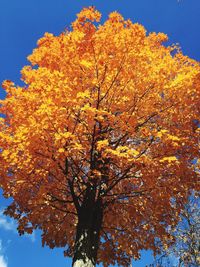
x: 10, y: 225
x: 3, y: 262
x: 31, y: 237
x: 6, y: 224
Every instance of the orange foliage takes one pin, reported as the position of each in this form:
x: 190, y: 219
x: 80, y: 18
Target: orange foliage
x: 105, y: 107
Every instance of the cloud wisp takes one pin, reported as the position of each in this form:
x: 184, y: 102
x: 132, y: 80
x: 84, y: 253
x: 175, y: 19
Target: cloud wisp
x: 6, y: 224
x: 3, y: 262
x: 10, y: 225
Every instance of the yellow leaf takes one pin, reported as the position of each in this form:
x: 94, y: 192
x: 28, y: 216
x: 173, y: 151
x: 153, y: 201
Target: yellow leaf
x: 86, y: 63
x: 61, y: 150
x: 169, y: 159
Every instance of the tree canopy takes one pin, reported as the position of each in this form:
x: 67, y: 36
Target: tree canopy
x: 102, y: 136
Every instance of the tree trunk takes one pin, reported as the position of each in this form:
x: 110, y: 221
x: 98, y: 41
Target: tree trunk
x: 88, y: 232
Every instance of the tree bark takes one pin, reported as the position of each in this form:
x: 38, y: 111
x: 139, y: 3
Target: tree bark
x: 88, y: 231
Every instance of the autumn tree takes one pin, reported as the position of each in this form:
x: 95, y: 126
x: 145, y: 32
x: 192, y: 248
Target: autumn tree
x: 97, y: 147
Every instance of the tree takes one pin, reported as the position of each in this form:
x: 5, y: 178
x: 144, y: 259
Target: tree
x: 97, y: 146
x: 186, y: 234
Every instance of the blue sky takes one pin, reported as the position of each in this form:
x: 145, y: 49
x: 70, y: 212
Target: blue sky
x: 22, y: 23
